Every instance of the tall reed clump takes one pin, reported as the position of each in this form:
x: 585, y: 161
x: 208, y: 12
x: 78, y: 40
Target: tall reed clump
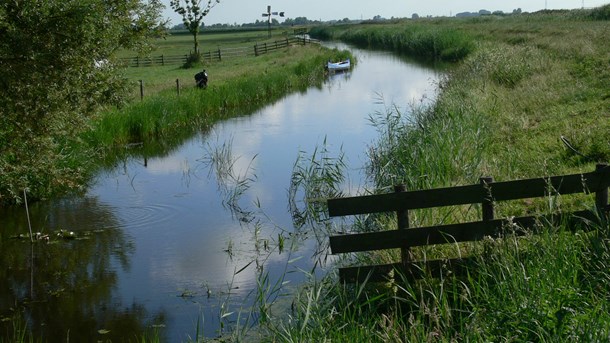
x: 538, y: 288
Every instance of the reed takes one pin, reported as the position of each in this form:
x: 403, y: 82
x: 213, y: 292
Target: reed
x: 425, y: 42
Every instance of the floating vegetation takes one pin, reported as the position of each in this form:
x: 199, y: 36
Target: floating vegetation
x: 61, y: 235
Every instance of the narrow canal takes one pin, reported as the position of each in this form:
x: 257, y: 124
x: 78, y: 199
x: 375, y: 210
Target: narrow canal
x: 186, y: 242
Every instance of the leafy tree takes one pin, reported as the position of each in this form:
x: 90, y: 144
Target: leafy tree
x: 192, y: 15
x: 56, y: 70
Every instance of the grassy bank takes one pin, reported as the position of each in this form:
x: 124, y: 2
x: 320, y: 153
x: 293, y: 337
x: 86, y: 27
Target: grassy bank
x: 501, y: 112
x: 237, y: 87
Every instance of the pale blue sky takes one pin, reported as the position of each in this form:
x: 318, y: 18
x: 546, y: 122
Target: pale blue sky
x: 247, y: 11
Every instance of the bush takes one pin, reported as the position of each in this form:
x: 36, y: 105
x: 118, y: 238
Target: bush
x: 601, y: 13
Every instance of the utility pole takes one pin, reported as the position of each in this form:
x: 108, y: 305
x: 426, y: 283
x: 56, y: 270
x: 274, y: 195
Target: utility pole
x: 268, y: 15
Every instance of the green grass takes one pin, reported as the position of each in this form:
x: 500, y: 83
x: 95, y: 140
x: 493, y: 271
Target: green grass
x: 181, y: 42
x: 500, y: 112
x: 159, y: 78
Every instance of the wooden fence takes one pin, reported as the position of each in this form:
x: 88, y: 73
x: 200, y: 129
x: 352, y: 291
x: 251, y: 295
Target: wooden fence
x: 218, y: 54
x: 486, y: 193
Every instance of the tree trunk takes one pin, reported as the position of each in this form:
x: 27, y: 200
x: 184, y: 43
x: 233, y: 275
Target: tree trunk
x: 196, y: 42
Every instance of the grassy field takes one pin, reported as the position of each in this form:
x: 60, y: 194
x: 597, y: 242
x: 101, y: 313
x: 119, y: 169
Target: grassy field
x: 181, y: 42
x: 528, y: 81
x: 237, y: 86
x: 160, y: 78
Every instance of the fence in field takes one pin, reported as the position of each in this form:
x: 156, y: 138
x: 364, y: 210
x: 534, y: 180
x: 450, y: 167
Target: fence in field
x: 219, y: 54
x: 486, y: 193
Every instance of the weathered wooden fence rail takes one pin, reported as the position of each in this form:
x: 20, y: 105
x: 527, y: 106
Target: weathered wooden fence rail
x: 485, y: 193
x: 218, y: 54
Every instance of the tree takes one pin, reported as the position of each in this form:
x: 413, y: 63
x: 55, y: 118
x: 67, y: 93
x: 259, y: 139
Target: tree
x: 192, y: 15
x: 56, y: 70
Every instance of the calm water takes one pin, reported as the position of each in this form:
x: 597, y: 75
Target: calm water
x: 167, y: 241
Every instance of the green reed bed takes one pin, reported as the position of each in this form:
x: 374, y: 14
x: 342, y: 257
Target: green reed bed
x: 427, y: 43
x: 500, y: 112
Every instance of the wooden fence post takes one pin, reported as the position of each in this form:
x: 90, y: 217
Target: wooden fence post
x: 487, y: 205
x: 402, y: 218
x: 137, y: 61
x: 178, y: 86
x: 219, y: 55
x: 141, y: 90
x: 256, y: 49
x: 162, y: 60
x: 601, y: 197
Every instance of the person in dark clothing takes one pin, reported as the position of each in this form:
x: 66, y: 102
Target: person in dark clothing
x: 201, y: 79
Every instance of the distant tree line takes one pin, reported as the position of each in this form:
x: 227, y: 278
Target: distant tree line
x: 289, y: 22
x: 486, y: 12
x: 302, y: 21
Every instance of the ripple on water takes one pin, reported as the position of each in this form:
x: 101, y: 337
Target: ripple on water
x: 150, y: 215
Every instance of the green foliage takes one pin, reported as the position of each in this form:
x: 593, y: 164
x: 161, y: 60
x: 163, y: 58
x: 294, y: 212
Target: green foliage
x: 192, y: 15
x: 601, y: 13
x: 55, y: 71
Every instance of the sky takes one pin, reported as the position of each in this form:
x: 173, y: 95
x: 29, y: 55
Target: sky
x: 248, y: 11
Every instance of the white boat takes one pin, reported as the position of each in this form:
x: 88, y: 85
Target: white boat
x: 339, y: 66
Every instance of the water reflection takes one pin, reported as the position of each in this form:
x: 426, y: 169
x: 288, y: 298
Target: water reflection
x: 199, y: 229
x: 64, y: 288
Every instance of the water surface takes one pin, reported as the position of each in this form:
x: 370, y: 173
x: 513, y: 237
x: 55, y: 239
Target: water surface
x: 168, y: 241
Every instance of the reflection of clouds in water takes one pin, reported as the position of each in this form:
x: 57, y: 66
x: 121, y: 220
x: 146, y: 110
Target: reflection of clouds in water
x: 195, y: 262
x: 168, y: 165
x: 183, y: 246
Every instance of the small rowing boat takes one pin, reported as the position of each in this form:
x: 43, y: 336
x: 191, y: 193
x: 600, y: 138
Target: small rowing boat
x: 339, y: 66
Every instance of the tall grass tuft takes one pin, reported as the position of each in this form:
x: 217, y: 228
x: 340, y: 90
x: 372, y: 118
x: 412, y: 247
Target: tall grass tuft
x: 315, y: 178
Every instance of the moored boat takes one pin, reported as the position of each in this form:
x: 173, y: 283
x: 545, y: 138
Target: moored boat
x: 339, y: 66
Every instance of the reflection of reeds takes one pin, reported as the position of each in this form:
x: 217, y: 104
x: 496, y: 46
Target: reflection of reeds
x: 232, y: 183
